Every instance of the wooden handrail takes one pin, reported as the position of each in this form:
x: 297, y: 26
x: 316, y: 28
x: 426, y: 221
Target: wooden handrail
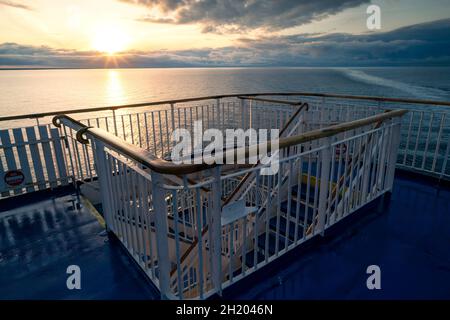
x: 247, y: 95
x: 167, y: 167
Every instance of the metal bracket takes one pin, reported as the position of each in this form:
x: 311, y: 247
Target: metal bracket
x: 80, y: 133
x: 57, y: 120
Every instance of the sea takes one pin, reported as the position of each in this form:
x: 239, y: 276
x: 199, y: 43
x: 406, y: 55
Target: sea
x: 34, y: 91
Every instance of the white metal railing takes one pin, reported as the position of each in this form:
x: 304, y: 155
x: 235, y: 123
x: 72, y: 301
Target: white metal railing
x: 194, y: 235
x: 424, y: 145
x: 335, y: 185
x: 425, y: 136
x: 151, y: 130
x: 177, y: 228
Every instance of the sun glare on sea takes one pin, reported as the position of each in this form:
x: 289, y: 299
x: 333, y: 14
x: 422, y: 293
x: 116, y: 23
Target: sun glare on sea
x: 110, y: 40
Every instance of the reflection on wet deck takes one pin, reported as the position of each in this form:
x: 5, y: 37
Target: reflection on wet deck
x: 39, y: 240
x: 408, y: 240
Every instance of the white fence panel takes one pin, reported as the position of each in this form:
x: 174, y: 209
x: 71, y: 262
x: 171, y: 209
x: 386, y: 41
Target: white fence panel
x: 29, y: 163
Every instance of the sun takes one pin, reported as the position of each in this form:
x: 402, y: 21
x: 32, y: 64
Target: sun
x: 110, y: 40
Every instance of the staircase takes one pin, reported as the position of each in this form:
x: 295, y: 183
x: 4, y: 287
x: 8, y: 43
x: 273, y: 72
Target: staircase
x: 285, y: 226
x: 191, y: 255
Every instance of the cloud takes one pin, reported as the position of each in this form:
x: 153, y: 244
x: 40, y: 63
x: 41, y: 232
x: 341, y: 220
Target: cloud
x: 239, y: 15
x: 14, y: 5
x: 421, y: 44
x: 18, y: 56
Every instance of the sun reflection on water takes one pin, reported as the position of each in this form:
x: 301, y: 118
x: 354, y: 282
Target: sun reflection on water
x: 114, y: 88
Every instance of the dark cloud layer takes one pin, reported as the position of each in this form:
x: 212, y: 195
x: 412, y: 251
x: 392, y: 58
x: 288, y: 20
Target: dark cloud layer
x: 421, y: 44
x: 14, y: 5
x: 239, y: 15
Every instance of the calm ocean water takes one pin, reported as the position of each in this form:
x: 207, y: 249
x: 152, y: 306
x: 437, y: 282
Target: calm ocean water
x: 31, y: 91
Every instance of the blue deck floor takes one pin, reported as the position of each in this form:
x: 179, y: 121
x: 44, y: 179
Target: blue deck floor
x: 409, y: 240
x: 40, y: 238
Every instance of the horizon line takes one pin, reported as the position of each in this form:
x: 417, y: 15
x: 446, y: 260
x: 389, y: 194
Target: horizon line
x: 227, y: 67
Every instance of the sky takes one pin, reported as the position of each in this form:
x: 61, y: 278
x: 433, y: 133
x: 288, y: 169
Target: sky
x: 217, y: 33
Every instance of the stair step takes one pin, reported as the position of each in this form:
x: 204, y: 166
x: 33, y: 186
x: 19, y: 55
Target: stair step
x: 282, y: 227
x: 301, y: 213
x: 272, y: 242
x: 250, y: 258
x: 303, y: 191
x: 184, y: 217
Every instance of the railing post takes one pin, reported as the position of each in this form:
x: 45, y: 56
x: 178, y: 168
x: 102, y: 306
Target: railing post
x: 444, y: 164
x: 159, y: 207
x: 219, y: 125
x: 395, y: 141
x: 324, y: 183
x: 172, y: 115
x: 216, y: 228
x: 243, y: 112
x: 115, y: 121
x: 103, y: 179
x: 250, y: 114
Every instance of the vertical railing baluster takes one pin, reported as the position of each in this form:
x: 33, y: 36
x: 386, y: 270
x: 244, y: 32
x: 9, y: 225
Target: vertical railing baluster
x: 419, y: 131
x: 155, y: 148
x: 427, y: 142
x: 172, y: 115
x: 147, y: 219
x: 199, y: 214
x: 131, y: 128
x: 277, y: 232
x: 168, y: 143
x: 138, y: 123
x: 115, y: 122
x: 231, y: 250
x: 395, y: 141
x: 444, y: 164
x: 438, y: 142
x: 325, y: 156
x: 289, y: 204
x: 160, y: 211
x: 161, y: 139
x: 299, y: 179
x: 267, y: 214
x: 307, y: 200
x: 113, y: 194
x: 408, y: 136
x: 103, y: 177
x: 177, y: 243
x: 136, y: 208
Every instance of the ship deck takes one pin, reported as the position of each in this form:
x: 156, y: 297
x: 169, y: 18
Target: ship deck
x: 43, y: 233
x: 40, y: 239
